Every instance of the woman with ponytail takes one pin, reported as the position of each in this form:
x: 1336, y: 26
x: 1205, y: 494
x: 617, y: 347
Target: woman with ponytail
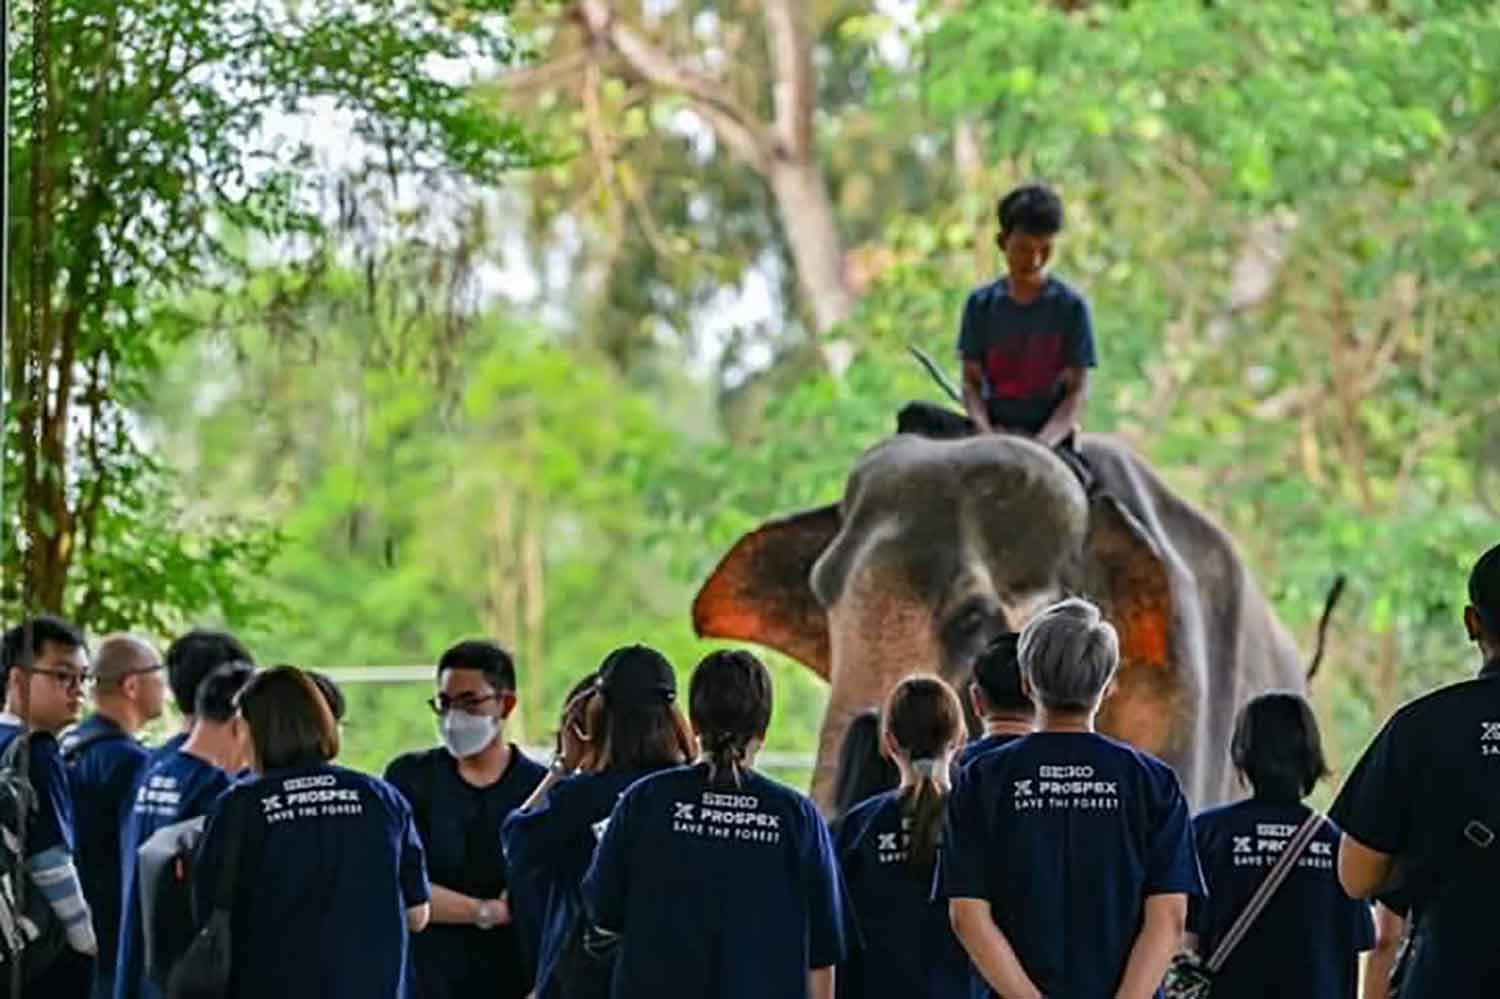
x: 719, y: 881
x: 887, y: 847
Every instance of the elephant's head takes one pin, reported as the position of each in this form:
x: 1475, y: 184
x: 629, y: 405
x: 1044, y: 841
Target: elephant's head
x: 936, y: 547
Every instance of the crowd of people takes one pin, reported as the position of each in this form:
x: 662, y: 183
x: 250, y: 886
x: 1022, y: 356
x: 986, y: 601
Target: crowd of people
x: 649, y: 857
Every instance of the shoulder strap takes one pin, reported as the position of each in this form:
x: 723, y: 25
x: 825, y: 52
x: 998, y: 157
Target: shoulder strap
x: 236, y: 817
x: 75, y: 750
x: 1294, y: 849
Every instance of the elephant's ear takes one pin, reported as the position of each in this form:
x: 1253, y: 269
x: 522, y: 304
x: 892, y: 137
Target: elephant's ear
x: 1127, y: 573
x: 761, y: 592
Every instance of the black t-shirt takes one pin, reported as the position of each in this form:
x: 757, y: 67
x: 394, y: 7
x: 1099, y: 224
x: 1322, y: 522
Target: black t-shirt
x: 906, y: 947
x: 1024, y: 349
x: 460, y: 829
x: 1066, y: 834
x: 1308, y: 939
x: 723, y: 891
x: 1433, y: 770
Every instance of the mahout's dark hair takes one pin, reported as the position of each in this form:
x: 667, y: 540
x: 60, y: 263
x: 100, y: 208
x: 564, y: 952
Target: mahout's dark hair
x: 291, y: 724
x: 215, y: 699
x: 997, y: 673
x: 1034, y: 209
x: 195, y: 655
x: 1276, y: 746
x: 1484, y: 591
x: 24, y: 642
x: 497, y: 665
x: 863, y: 769
x: 925, y: 718
x: 729, y: 701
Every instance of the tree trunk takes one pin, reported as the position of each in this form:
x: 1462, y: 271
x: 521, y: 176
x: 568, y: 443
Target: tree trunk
x: 812, y: 232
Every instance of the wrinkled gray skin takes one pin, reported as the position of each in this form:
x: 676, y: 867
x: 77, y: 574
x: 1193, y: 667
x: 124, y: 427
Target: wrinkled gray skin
x: 938, y: 546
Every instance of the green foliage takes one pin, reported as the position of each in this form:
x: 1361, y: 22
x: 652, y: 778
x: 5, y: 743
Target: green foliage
x: 159, y: 158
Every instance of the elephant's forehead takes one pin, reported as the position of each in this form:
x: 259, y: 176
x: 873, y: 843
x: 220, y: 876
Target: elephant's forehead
x: 1001, y: 507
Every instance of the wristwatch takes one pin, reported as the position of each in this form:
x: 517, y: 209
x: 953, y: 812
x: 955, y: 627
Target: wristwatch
x: 488, y: 915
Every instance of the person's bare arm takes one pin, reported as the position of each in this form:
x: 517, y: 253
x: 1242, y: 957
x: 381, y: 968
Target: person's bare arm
x: 974, y: 405
x: 1160, y: 936
x: 455, y: 908
x: 1389, y: 928
x: 1362, y: 871
x: 1069, y: 413
x: 820, y: 983
x: 991, y: 953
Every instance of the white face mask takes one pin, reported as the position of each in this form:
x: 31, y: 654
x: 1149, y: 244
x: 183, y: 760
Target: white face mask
x: 465, y: 734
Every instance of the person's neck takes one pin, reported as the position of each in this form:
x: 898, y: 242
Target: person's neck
x: 1003, y: 724
x: 1026, y: 290
x: 486, y: 766
x: 213, y: 744
x: 120, y: 711
x: 1067, y: 721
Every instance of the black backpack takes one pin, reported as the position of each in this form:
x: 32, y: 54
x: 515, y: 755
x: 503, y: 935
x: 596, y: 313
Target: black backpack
x: 164, y: 871
x: 29, y: 930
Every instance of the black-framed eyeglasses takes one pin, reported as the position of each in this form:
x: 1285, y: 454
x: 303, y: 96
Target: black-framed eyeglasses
x: 66, y: 678
x: 442, y: 703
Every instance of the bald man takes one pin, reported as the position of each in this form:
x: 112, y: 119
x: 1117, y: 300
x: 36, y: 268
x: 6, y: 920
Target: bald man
x: 104, y: 760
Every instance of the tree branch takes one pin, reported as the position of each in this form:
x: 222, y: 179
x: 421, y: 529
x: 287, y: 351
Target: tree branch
x: 741, y: 131
x: 794, y: 85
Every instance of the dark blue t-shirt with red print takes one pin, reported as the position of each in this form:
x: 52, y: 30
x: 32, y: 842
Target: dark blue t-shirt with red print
x: 1065, y: 835
x: 1025, y: 348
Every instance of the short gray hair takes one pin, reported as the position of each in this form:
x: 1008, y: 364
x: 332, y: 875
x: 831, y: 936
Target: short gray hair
x: 1069, y: 654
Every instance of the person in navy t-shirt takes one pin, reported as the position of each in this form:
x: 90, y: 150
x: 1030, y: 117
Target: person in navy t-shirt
x: 998, y: 700
x: 629, y: 728
x: 104, y: 761
x: 1421, y: 816
x: 863, y: 768
x: 1308, y: 939
x: 887, y: 849
x: 175, y: 787
x: 44, y: 670
x: 331, y: 877
x: 717, y: 881
x: 1068, y: 857
x: 1027, y: 340
x: 461, y: 794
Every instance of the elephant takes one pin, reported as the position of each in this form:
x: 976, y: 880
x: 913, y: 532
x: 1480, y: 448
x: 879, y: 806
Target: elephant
x: 939, y: 545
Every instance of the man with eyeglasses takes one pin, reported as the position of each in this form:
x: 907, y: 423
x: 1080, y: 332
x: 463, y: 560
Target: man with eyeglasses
x: 45, y: 664
x: 460, y: 795
x: 104, y: 761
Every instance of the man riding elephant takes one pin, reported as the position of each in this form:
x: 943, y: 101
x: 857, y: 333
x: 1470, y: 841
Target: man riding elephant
x: 939, y: 545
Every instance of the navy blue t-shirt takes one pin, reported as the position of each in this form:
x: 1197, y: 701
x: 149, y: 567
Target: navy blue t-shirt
x: 1308, y: 940
x: 978, y: 747
x: 548, y: 850
x: 330, y: 863
x: 104, y: 762
x: 1024, y: 349
x: 52, y: 824
x: 906, y: 947
x: 174, y: 787
x: 460, y: 829
x: 1431, y: 772
x: 740, y: 882
x: 1065, y: 834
